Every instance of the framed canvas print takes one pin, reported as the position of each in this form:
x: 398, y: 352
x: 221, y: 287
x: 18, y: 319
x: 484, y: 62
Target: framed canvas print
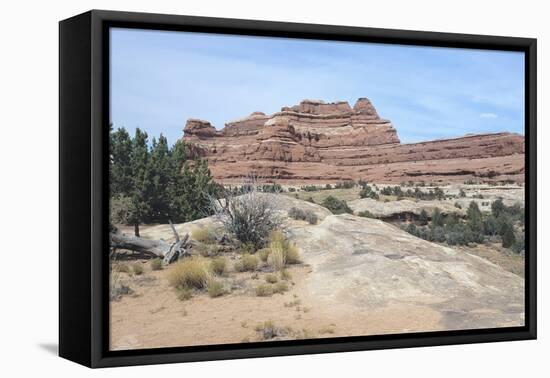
x: 234, y: 188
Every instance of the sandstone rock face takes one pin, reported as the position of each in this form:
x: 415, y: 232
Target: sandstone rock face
x: 362, y: 265
x: 316, y: 141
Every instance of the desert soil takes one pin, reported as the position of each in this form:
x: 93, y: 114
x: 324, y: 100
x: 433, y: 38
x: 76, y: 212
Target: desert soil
x: 153, y: 317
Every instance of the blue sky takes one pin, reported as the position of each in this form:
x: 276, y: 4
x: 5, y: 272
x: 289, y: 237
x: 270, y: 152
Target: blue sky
x: 160, y: 79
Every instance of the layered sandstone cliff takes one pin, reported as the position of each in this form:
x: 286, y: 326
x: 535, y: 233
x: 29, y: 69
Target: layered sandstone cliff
x: 326, y: 142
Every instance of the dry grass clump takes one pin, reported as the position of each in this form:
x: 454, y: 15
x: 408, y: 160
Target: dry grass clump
x: 190, y: 273
x: 271, y: 278
x: 219, y: 266
x: 280, y: 287
x: 306, y: 215
x: 264, y: 290
x: 204, y: 235
x: 263, y: 254
x: 156, y: 264
x: 281, y: 252
x: 122, y: 268
x: 137, y: 269
x: 268, y: 330
x: 285, y: 275
x: 215, y: 289
x: 184, y: 293
x: 247, y: 263
x: 276, y: 258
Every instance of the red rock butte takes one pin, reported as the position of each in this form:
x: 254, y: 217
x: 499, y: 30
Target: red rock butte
x: 318, y: 142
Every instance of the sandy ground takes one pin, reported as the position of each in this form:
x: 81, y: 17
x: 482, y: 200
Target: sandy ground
x: 153, y: 317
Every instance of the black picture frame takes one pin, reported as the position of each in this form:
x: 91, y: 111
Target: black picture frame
x: 83, y: 181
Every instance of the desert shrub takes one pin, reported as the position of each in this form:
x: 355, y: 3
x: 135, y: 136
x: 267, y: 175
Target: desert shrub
x: 292, y: 255
x: 344, y: 184
x: 474, y: 217
x: 249, y: 248
x: 411, y: 229
x: 249, y: 217
x: 508, y: 236
x: 247, y: 263
x: 311, y: 217
x: 336, y: 206
x: 281, y: 251
x: 280, y: 287
x: 122, y: 268
x: 285, y: 275
x: 268, y: 330
x: 264, y: 290
x: 462, y: 193
x: 204, y: 235
x: 271, y: 188
x: 263, y: 254
x: 437, y: 234
x: 437, y: 217
x: 458, y: 205
x: 296, y: 213
x: 218, y: 265
x: 191, y: 273
x: 207, y: 250
x: 519, y: 245
x: 118, y: 290
x: 310, y: 188
x: 423, y: 218
x: 291, y: 189
x: 271, y: 278
x: 366, y: 214
x: 367, y: 192
x: 215, y: 289
x: 276, y: 258
x: 156, y: 264
x: 184, y: 293
x: 137, y: 269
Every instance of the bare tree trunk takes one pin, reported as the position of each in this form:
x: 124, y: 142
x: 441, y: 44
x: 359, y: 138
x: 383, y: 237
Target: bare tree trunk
x: 169, y: 252
x: 136, y: 229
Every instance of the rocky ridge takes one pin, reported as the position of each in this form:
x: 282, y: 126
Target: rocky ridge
x: 316, y: 141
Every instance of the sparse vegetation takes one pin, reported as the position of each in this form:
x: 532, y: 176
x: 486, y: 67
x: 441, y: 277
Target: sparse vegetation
x: 264, y: 290
x: 250, y: 217
x: 156, y: 264
x: 219, y: 265
x: 204, y: 235
x: 247, y: 263
x: 336, y: 206
x: 190, y: 273
x: 281, y: 252
x: 476, y: 228
x: 268, y: 330
x: 215, y: 289
x: 368, y: 192
x: 366, y: 214
x: 263, y: 254
x: 280, y: 287
x: 271, y: 278
x: 137, y: 269
x: 306, y: 215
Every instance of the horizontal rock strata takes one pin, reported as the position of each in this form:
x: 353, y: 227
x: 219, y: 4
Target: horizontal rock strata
x: 328, y: 142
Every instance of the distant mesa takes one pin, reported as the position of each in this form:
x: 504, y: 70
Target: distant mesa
x: 316, y: 141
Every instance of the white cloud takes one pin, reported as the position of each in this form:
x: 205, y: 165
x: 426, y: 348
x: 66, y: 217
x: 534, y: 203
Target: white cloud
x: 488, y: 115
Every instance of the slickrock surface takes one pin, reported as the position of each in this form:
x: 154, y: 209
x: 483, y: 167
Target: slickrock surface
x: 329, y: 142
x: 363, y: 265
